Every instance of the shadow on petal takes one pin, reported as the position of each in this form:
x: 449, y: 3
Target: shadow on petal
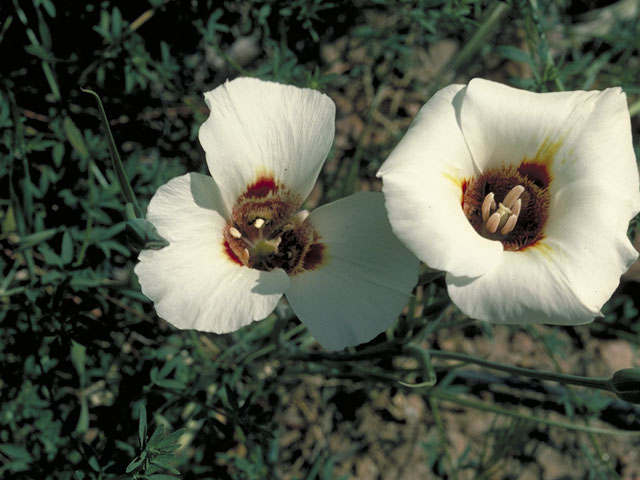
x: 271, y: 283
x: 206, y: 193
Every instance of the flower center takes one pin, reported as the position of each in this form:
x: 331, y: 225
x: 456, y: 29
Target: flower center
x: 265, y: 233
x: 509, y: 204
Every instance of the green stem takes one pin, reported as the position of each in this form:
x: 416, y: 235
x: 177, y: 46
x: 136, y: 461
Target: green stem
x: 118, y: 167
x: 634, y: 109
x: 376, y: 351
x: 422, y: 355
x: 535, y: 332
x: 487, y: 407
x: 444, y: 441
x: 479, y: 39
x: 547, y: 58
x: 589, y: 382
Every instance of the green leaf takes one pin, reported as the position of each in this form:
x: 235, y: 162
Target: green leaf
x: 51, y: 276
x: 83, y: 420
x: 170, y: 442
x: 8, y: 222
x: 16, y: 452
x: 116, y: 22
x: 515, y: 54
x: 135, y: 463
x: 168, y: 383
x: 38, y: 51
x: 78, y: 358
x: 162, y: 461
x: 155, y: 437
x: 142, y: 426
x: 29, y: 241
x: 50, y: 257
x: 48, y: 6
x: 74, y: 135
x: 93, y: 463
x: 66, y: 252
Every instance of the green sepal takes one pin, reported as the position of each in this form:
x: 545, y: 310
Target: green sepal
x: 142, y: 235
x: 626, y: 384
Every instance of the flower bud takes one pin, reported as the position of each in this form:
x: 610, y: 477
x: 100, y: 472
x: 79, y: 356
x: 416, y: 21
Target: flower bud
x: 626, y: 384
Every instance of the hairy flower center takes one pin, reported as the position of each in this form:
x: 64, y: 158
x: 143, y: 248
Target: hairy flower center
x: 265, y: 233
x: 509, y: 204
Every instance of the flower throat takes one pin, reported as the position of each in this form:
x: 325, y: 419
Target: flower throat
x: 509, y: 204
x: 265, y: 232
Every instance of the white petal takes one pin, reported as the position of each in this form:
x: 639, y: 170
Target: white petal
x: 193, y: 282
x: 524, y: 287
x: 504, y: 125
x: 259, y: 128
x: 577, y: 135
x: 587, y: 238
x: 365, y: 279
x: 604, y: 151
x: 422, y: 182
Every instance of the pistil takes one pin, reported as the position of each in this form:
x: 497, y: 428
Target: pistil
x: 264, y: 245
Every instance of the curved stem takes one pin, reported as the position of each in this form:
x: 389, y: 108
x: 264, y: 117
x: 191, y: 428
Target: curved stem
x: 467, y: 402
x: 118, y: 167
x: 590, y: 382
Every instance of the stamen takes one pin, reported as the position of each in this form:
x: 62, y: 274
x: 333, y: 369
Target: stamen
x: 235, y: 233
x: 516, y: 207
x: 512, y: 196
x: 493, y: 222
x: 509, y: 225
x: 245, y: 256
x: 487, y: 205
x: 300, y: 217
x: 259, y: 222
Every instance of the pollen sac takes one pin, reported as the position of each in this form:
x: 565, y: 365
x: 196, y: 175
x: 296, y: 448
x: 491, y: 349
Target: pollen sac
x: 509, y: 204
x: 265, y: 231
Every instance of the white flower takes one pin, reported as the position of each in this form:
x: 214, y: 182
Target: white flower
x: 237, y: 241
x: 524, y: 199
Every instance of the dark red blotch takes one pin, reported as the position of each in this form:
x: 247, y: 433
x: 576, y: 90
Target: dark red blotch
x: 465, y: 184
x: 313, y: 256
x: 535, y: 172
x: 262, y: 187
x: 231, y: 253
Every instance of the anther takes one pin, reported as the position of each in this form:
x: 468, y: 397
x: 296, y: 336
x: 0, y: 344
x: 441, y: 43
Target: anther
x: 259, y: 223
x: 300, y: 217
x: 235, y: 233
x: 509, y: 224
x: 513, y: 195
x: 515, y: 210
x: 487, y: 205
x: 493, y: 222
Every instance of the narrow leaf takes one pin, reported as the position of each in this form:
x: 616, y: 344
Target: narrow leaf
x: 74, y: 135
x: 142, y: 426
x: 66, y: 253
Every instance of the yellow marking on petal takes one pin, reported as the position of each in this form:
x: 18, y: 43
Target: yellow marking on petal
x: 457, y: 181
x: 543, y: 248
x: 546, y: 153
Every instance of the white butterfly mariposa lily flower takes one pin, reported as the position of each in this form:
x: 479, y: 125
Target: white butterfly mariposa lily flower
x: 524, y: 199
x: 238, y: 241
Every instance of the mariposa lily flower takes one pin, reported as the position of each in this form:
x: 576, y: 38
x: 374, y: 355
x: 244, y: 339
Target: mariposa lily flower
x: 524, y: 199
x: 238, y: 239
